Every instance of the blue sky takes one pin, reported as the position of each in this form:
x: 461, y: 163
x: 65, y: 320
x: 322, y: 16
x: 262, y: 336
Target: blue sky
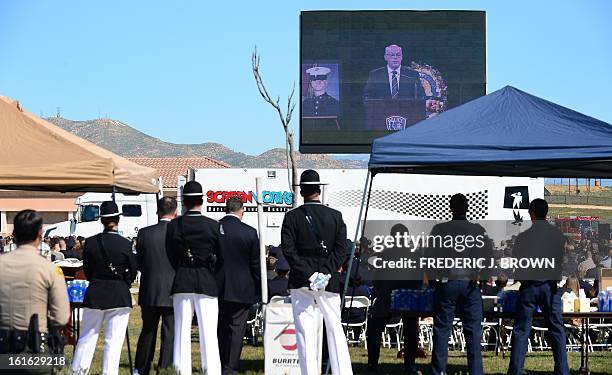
x: 180, y: 70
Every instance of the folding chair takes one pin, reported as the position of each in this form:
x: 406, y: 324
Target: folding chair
x: 386, y: 335
x: 358, y: 302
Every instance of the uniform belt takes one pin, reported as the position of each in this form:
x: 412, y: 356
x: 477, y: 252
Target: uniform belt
x: 315, y: 253
x: 188, y: 264
x: 14, y: 341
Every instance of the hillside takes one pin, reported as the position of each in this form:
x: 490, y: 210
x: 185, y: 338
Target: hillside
x: 124, y: 140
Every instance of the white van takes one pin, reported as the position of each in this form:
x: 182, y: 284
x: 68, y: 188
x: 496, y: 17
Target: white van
x: 138, y: 211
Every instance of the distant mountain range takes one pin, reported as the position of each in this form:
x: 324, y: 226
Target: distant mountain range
x: 124, y: 140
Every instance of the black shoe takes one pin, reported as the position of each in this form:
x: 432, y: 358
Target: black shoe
x: 371, y: 369
x: 412, y: 370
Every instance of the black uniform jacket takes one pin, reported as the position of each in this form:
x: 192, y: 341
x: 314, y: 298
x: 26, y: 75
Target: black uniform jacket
x: 106, y: 290
x: 156, y: 272
x: 199, y: 236
x: 302, y: 251
x: 239, y: 278
x: 542, y: 240
x: 324, y: 105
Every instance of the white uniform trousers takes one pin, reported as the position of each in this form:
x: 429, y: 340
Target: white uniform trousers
x: 303, y: 301
x: 114, y: 335
x: 207, y: 311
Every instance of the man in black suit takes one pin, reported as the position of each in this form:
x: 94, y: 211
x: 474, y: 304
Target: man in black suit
x: 156, y: 277
x: 239, y: 282
x: 110, y: 267
x: 393, y: 81
x: 194, y: 243
x: 313, y: 239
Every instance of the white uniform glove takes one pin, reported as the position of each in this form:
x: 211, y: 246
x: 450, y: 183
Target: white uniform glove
x: 320, y: 282
x: 312, y: 280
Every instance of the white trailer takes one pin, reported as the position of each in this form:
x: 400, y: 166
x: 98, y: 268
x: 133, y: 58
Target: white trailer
x: 138, y: 211
x: 393, y: 196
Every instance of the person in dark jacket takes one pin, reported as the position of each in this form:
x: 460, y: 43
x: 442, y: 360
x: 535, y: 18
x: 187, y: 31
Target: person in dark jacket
x: 385, y: 282
x: 542, y: 240
x: 156, y: 277
x: 194, y: 246
x: 457, y: 290
x: 110, y: 266
x: 239, y: 281
x: 278, y: 285
x: 313, y: 239
x: 71, y: 250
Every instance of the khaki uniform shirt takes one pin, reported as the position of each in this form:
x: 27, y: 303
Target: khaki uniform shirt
x: 30, y: 284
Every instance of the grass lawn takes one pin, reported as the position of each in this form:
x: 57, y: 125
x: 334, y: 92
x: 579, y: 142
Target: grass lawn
x: 605, y: 216
x: 253, y: 363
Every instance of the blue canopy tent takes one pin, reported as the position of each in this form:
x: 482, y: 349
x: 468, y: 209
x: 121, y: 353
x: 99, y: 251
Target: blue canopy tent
x: 505, y: 133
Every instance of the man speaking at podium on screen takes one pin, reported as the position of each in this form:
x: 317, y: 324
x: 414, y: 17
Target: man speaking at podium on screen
x: 393, y: 96
x: 393, y: 81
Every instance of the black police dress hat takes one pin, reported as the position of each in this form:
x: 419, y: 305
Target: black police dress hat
x: 282, y: 264
x: 192, y: 189
x: 109, y: 209
x: 310, y: 177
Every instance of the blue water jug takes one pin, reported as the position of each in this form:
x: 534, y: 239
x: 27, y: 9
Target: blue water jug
x: 602, y: 302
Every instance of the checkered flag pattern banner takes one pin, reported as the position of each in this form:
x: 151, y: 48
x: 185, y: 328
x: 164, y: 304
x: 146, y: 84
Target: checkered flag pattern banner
x: 426, y: 206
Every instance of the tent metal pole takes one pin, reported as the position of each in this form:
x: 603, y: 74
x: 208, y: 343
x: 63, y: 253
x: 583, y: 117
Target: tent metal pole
x: 113, y: 193
x: 262, y: 241
x: 367, y: 191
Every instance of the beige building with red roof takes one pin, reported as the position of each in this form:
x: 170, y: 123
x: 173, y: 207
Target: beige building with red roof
x: 171, y: 168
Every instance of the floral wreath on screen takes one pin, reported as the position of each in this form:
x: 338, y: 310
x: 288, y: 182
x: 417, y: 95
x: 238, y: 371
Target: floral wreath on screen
x: 434, y: 86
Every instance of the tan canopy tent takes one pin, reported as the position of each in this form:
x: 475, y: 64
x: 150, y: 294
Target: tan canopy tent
x: 37, y: 155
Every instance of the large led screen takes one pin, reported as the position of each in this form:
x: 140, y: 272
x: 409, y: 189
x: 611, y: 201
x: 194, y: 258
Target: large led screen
x: 365, y: 74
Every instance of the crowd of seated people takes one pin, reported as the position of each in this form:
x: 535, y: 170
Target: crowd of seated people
x: 61, y: 248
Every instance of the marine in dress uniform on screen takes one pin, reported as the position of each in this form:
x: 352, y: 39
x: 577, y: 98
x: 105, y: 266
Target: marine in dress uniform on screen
x: 321, y: 104
x: 193, y: 243
x: 313, y: 239
x: 110, y: 267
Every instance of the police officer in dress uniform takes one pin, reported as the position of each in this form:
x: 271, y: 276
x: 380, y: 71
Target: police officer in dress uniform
x: 194, y: 243
x: 542, y: 240
x: 313, y: 239
x: 110, y: 266
x: 457, y: 291
x: 321, y: 104
x: 29, y: 284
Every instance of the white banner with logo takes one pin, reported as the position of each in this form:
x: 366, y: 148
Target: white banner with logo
x: 280, y: 345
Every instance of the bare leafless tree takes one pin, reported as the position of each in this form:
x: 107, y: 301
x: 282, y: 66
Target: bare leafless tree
x: 285, y: 118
